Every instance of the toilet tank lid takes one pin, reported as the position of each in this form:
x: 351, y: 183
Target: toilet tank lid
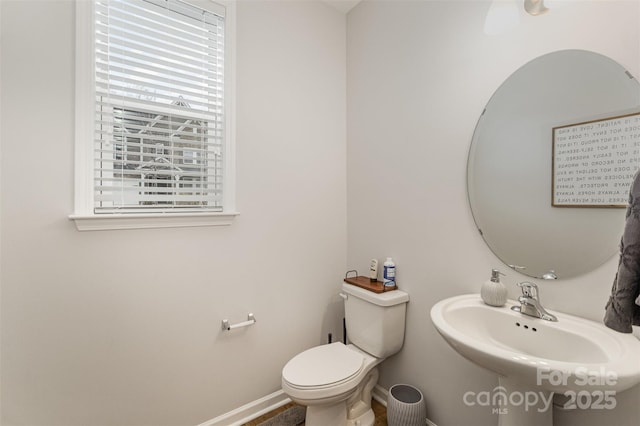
x: 388, y: 298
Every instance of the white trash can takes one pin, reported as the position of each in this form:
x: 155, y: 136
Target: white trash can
x: 406, y: 406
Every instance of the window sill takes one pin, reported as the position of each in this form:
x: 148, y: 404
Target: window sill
x: 106, y: 222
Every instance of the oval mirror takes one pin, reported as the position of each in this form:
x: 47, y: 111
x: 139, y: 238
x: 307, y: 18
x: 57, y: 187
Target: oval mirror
x: 512, y: 178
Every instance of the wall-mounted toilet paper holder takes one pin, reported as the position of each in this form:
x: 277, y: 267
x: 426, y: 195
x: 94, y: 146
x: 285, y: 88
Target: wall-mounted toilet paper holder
x: 250, y: 321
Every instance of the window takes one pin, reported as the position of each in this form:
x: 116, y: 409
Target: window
x: 153, y: 141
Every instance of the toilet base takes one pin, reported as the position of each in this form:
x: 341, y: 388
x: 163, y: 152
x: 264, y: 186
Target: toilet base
x: 323, y: 415
x: 336, y: 415
x: 366, y: 419
x: 354, y: 411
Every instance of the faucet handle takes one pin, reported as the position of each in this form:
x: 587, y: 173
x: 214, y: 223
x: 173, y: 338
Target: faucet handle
x: 529, y: 289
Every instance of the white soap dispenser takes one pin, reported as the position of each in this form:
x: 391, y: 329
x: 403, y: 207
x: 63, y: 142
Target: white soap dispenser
x: 493, y: 292
x: 373, y: 270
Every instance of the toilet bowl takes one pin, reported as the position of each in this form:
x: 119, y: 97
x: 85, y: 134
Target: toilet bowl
x: 335, y: 381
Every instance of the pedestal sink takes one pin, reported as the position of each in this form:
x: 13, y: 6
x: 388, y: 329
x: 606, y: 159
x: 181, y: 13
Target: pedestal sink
x: 535, y: 358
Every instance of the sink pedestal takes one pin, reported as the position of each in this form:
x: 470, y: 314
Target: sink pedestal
x: 522, y: 405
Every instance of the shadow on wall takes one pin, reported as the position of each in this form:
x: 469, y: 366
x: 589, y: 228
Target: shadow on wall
x: 333, y: 320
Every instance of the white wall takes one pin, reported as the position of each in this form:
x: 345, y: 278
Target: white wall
x: 419, y: 74
x: 123, y: 327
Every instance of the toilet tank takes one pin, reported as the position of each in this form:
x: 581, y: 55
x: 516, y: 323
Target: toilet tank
x: 375, y: 321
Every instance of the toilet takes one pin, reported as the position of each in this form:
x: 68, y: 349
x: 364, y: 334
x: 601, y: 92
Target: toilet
x: 335, y: 381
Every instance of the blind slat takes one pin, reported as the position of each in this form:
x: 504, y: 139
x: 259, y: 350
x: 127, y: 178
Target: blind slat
x: 159, y: 13
x: 187, y: 187
x: 160, y: 209
x: 116, y: 137
x: 143, y: 40
x: 158, y: 193
x: 193, y: 130
x: 165, y: 116
x: 117, y: 85
x: 125, y: 174
x: 157, y: 61
x: 116, y: 90
x: 142, y: 27
x: 195, y: 85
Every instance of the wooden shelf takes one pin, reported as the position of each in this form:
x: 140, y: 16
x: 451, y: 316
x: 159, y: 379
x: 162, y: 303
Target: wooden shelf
x: 366, y: 283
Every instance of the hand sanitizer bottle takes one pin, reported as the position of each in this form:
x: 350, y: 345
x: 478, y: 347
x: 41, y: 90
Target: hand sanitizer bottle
x: 389, y: 273
x: 493, y: 292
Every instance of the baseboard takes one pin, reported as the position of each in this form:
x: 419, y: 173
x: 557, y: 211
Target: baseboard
x: 250, y: 411
x: 380, y: 394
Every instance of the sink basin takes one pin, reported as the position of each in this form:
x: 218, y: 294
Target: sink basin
x: 529, y: 354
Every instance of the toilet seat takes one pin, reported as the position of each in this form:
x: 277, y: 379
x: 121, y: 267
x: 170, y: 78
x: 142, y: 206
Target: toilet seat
x: 322, y: 367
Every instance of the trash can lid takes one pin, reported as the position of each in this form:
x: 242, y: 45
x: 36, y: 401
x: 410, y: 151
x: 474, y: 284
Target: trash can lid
x: 405, y: 393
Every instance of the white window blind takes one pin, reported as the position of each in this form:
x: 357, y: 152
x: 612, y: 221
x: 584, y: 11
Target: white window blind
x: 159, y: 123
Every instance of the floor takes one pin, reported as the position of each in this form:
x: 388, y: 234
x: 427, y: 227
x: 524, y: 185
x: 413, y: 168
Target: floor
x: 378, y: 409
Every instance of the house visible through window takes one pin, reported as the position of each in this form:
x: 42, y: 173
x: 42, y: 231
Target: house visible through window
x: 159, y: 142
x: 157, y: 151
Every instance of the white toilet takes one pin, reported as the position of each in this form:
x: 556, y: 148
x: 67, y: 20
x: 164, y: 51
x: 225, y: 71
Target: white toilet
x: 335, y: 381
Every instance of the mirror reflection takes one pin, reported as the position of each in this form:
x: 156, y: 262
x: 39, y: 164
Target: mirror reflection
x: 509, y: 173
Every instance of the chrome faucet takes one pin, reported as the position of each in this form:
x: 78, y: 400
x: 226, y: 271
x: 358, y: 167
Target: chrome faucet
x: 530, y: 302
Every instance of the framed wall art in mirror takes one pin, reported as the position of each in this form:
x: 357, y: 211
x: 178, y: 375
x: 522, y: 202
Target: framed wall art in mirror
x: 593, y: 162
